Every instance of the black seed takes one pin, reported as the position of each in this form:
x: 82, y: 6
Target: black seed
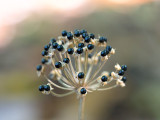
x: 81, y: 75
x: 69, y: 36
x: 90, y: 46
x: 84, y: 35
x: 41, y: 88
x: 91, y: 36
x: 60, y: 48
x: 54, y: 45
x: 44, y: 53
x: 103, y: 53
x: 81, y: 45
x: 105, y: 39
x: 109, y: 48
x: 83, y: 31
x: 66, y: 60
x: 70, y: 51
x: 104, y: 78
x: 121, y: 72
x: 46, y: 47
x: 43, y: 61
x: 53, y: 40
x: 46, y: 87
x: 107, y: 51
x: 87, y: 39
x: 39, y: 67
x: 77, y: 33
x: 83, y: 91
x: 124, y: 67
x: 64, y: 33
x: 124, y: 79
x: 80, y: 50
x: 49, y: 44
x: 101, y: 39
x: 58, y: 65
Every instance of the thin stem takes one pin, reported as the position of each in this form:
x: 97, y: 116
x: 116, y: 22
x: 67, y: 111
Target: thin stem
x: 81, y: 108
x: 71, y: 66
x: 59, y: 74
x: 62, y: 95
x: 76, y: 64
x: 88, y: 73
x: 63, y: 83
x: 97, y: 71
x: 69, y: 76
x: 114, y: 86
x: 86, y: 62
x: 60, y: 87
x: 79, y: 64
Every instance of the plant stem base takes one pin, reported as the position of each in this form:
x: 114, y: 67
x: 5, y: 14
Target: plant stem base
x: 81, y: 108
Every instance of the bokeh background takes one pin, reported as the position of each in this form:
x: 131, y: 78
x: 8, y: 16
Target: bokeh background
x: 131, y: 26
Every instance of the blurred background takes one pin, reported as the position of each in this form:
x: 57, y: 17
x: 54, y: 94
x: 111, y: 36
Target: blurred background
x: 131, y: 26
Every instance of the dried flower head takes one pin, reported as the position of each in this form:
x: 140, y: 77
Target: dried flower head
x: 68, y: 63
x: 73, y: 62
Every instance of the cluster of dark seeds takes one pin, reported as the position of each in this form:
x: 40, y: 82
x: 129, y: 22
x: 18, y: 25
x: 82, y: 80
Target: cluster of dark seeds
x: 44, y: 88
x: 84, y: 48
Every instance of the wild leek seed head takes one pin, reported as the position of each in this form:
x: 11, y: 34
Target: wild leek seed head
x: 71, y: 59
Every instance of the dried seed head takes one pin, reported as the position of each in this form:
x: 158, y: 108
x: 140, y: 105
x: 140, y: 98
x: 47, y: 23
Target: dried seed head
x: 74, y: 61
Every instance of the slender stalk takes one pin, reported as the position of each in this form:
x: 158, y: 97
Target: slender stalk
x: 108, y: 88
x: 81, y: 108
x: 86, y: 62
x: 62, y: 95
x: 79, y: 64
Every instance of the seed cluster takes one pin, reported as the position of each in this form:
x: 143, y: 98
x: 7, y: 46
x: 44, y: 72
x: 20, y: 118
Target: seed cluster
x: 71, y: 59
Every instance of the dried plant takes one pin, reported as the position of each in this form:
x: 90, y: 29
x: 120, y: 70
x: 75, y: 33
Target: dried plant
x: 72, y: 63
